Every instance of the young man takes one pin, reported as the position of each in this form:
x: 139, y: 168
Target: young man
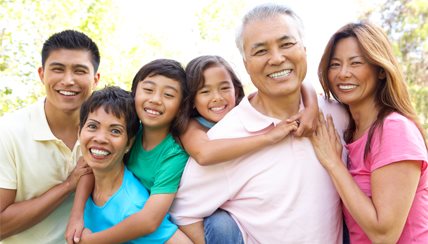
x: 38, y: 151
x: 278, y: 194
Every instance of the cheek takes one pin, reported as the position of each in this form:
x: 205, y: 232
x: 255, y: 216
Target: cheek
x: 331, y: 76
x: 232, y: 99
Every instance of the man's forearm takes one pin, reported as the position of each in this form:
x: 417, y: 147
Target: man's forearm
x: 20, y: 216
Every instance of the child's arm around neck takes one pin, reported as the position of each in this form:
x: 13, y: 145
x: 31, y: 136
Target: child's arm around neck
x: 207, y: 152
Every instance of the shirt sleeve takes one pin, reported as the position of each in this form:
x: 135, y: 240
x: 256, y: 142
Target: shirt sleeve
x: 400, y: 140
x: 203, y: 189
x: 7, y: 162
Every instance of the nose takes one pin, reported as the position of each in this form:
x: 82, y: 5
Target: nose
x: 276, y: 57
x: 100, y: 137
x: 217, y: 96
x: 344, y: 72
x: 156, y: 98
x: 68, y: 78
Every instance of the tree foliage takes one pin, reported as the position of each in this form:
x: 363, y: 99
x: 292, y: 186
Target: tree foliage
x: 25, y: 25
x: 405, y: 22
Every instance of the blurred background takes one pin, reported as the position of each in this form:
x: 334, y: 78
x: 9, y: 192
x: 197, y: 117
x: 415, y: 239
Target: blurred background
x: 131, y: 33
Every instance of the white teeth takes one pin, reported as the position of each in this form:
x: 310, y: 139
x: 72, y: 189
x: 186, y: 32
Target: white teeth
x: 280, y: 74
x: 98, y: 152
x: 347, y: 87
x: 68, y: 93
x: 154, y: 112
x: 218, y: 108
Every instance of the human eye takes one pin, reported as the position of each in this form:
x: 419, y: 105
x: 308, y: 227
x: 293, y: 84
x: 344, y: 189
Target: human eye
x: 225, y: 88
x: 147, y: 89
x: 259, y: 52
x: 204, y: 91
x: 81, y: 72
x: 286, y: 45
x: 334, y: 65
x: 169, y: 95
x: 57, y: 69
x: 91, y: 126
x: 116, y: 131
x: 356, y: 62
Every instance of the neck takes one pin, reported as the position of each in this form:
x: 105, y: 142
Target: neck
x: 364, y: 116
x: 107, y: 183
x: 277, y: 107
x: 64, y: 125
x: 153, y: 136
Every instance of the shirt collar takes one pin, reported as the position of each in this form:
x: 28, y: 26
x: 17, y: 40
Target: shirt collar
x: 252, y: 119
x: 39, y: 124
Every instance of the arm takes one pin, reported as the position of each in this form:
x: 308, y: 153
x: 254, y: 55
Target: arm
x: 75, y: 224
x: 195, y: 232
x: 208, y: 152
x: 19, y: 216
x: 139, y: 224
x: 382, y: 217
x: 309, y: 116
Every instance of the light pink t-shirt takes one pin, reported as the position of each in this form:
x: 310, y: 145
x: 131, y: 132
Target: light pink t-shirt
x: 279, y: 194
x: 400, y: 140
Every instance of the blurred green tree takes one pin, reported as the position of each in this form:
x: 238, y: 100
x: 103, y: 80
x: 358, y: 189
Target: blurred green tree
x: 25, y: 25
x: 405, y: 22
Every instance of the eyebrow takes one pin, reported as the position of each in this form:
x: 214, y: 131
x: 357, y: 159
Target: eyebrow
x: 112, y: 125
x: 221, y: 83
x: 282, y: 38
x: 154, y: 83
x: 353, y: 57
x: 74, y: 65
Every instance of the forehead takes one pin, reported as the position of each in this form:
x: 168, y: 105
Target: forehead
x: 161, y: 81
x: 271, y: 28
x: 346, y: 45
x: 101, y: 115
x: 70, y: 57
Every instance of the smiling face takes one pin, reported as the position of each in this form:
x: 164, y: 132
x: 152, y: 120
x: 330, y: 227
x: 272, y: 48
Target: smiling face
x: 69, y: 79
x: 103, y: 140
x: 274, y: 55
x: 217, y: 97
x: 157, y: 101
x: 353, y: 80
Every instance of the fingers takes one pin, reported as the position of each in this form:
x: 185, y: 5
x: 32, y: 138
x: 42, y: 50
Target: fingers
x: 69, y: 237
x: 295, y: 117
x: 77, y: 235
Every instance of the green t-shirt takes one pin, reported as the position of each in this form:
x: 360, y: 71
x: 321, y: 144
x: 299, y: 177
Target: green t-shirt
x: 159, y: 169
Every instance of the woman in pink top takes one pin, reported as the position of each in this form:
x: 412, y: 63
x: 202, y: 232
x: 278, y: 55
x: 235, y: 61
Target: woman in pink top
x: 384, y: 190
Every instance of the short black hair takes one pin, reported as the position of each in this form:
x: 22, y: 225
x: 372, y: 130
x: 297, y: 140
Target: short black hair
x: 175, y: 71
x: 114, y: 100
x: 74, y: 40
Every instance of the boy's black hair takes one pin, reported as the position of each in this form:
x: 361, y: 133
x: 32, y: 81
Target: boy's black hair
x: 73, y: 40
x: 175, y: 71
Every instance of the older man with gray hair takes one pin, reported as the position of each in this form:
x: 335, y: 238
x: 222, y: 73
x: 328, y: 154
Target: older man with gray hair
x: 279, y: 194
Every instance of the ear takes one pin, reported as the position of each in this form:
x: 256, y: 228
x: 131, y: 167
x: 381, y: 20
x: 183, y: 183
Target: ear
x: 96, y: 80
x: 245, y: 64
x: 382, y: 74
x: 130, y: 143
x: 41, y: 74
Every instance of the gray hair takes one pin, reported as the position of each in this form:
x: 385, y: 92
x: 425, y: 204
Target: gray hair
x: 265, y: 11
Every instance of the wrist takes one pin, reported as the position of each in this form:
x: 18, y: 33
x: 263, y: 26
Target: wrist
x: 334, y: 164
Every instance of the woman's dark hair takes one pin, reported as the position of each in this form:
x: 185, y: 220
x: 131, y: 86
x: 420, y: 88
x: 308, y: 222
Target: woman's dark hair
x: 116, y: 101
